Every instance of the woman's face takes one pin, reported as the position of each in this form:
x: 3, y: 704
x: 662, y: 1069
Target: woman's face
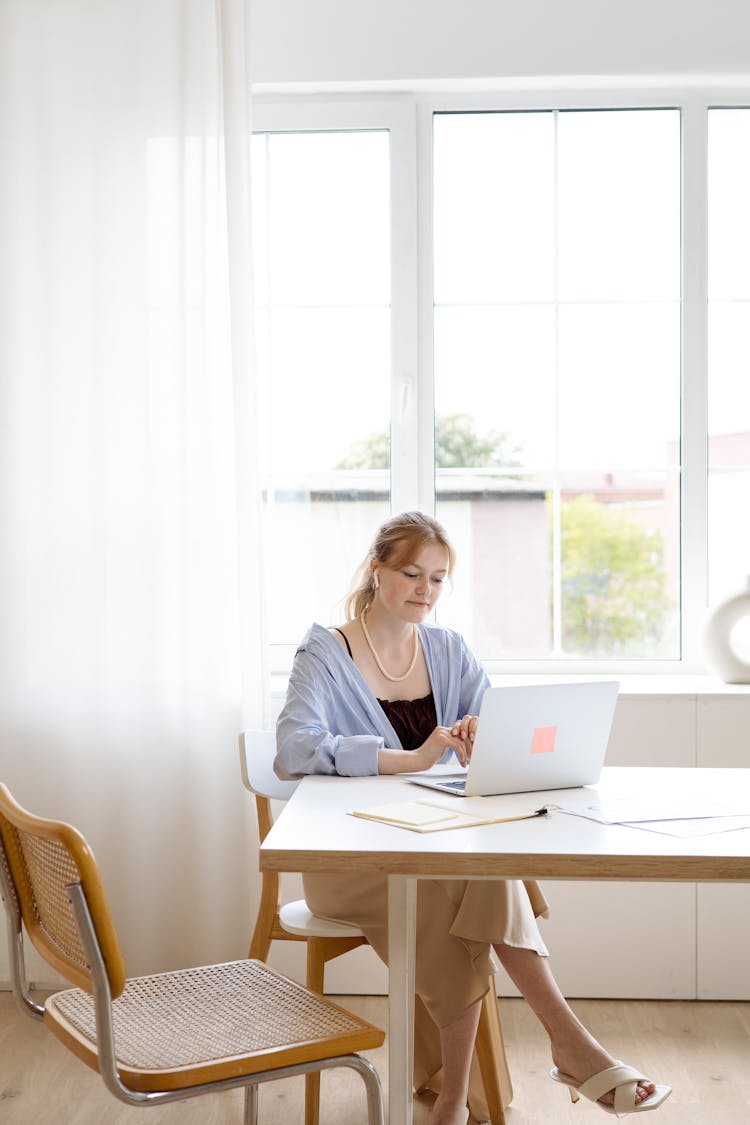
x: 411, y: 590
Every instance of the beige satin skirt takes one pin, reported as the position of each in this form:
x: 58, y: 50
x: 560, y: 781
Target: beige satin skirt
x: 457, y: 923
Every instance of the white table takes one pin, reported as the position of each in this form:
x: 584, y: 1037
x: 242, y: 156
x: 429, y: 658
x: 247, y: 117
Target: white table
x: 314, y: 833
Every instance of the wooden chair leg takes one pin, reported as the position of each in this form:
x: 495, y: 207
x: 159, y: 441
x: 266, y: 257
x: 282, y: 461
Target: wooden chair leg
x: 317, y: 948
x: 265, y: 921
x: 312, y: 1098
x: 493, y: 1064
x: 319, y: 951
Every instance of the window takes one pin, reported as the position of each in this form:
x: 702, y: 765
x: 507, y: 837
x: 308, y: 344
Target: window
x: 499, y: 314
x: 729, y: 355
x: 557, y: 350
x: 322, y: 265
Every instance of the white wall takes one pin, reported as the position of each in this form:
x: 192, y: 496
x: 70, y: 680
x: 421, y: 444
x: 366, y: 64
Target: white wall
x: 399, y: 41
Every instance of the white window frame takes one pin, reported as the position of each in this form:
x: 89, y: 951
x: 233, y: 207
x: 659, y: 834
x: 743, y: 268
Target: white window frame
x: 398, y: 116
x: 408, y: 117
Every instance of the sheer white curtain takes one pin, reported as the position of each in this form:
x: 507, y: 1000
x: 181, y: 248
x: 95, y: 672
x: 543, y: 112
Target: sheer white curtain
x: 131, y: 633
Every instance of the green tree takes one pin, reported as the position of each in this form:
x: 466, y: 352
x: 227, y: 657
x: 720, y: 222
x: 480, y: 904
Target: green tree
x: 614, y: 595
x: 457, y: 446
x: 373, y: 452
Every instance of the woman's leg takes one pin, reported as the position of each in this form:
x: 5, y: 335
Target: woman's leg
x: 574, y: 1049
x: 457, y: 1046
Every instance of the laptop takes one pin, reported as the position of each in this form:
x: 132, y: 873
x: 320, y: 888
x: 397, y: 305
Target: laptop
x: 535, y: 737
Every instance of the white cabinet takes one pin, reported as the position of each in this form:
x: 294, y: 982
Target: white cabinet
x: 723, y: 731
x: 624, y: 940
x: 723, y: 939
x: 701, y: 949
x: 723, y: 923
x: 653, y: 731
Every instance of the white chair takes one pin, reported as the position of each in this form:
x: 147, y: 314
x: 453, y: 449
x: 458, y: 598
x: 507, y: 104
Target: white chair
x: 294, y: 921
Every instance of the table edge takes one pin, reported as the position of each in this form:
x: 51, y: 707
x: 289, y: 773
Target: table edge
x: 521, y: 865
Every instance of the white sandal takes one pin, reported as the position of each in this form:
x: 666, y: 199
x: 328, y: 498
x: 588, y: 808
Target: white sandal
x: 621, y: 1079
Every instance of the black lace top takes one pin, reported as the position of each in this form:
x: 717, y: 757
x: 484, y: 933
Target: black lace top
x: 412, y: 719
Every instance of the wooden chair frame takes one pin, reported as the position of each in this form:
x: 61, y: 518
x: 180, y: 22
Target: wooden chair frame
x: 89, y: 955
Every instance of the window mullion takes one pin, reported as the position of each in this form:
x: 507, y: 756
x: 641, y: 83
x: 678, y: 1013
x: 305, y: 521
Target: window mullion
x: 557, y: 615
x: 406, y: 403
x: 426, y: 310
x: 694, y: 446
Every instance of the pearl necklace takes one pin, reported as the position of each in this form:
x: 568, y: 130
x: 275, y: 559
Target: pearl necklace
x: 371, y: 646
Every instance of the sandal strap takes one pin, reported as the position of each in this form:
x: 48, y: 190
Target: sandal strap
x: 621, y: 1079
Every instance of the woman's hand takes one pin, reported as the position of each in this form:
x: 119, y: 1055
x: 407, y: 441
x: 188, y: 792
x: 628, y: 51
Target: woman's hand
x: 465, y: 729
x: 444, y: 738
x: 459, y: 737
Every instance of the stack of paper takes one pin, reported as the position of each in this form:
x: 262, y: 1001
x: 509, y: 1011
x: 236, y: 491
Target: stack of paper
x: 675, y: 817
x: 424, y: 816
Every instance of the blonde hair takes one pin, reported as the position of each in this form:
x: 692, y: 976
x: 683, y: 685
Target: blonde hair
x: 398, y: 541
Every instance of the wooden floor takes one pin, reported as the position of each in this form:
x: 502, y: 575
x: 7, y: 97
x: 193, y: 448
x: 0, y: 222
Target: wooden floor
x: 701, y: 1049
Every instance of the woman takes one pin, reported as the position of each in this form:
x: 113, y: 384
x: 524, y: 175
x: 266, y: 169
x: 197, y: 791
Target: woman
x: 387, y: 693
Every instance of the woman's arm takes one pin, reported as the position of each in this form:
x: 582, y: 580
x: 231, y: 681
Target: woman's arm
x: 313, y: 729
x: 431, y: 751
x: 308, y: 730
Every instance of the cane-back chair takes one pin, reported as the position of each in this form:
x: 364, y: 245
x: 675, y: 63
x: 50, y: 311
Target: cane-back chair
x: 326, y: 940
x: 169, y: 1036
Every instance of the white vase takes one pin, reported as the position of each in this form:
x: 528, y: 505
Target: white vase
x: 720, y: 656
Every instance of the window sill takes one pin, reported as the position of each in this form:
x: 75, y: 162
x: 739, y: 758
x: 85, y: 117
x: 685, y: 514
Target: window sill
x: 643, y: 685
x: 631, y: 686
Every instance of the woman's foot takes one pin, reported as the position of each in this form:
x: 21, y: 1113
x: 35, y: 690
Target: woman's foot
x: 448, y: 1112
x: 584, y: 1058
x: 575, y: 1052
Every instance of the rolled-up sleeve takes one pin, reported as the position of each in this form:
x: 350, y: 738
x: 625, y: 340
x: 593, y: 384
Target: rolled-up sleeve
x: 311, y: 733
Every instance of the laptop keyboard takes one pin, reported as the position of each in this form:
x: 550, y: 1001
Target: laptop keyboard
x: 459, y: 784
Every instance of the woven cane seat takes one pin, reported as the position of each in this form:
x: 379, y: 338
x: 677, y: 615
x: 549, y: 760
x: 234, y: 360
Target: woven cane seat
x: 176, y: 1029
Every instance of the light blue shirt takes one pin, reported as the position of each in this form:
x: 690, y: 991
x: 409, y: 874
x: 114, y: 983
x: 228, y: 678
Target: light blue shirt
x: 331, y: 721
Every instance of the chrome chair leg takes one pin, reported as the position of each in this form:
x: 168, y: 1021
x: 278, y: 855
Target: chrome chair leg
x: 375, y: 1107
x: 251, y: 1105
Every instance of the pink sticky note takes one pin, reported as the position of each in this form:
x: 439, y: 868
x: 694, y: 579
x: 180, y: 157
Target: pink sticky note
x: 543, y: 740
